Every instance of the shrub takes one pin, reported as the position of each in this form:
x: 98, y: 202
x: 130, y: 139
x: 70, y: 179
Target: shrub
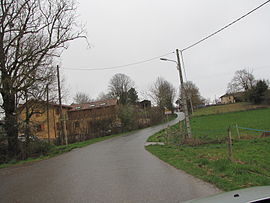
x: 38, y: 148
x: 3, y: 153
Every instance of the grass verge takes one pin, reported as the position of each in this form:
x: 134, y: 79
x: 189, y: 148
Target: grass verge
x: 209, y: 162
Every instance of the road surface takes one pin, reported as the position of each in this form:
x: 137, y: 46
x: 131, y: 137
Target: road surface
x: 115, y: 170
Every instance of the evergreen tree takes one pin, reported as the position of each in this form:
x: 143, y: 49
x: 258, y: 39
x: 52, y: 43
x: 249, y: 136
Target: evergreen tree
x: 132, y: 96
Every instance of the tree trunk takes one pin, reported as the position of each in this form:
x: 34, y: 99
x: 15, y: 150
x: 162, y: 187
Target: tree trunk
x: 11, y: 125
x: 27, y: 131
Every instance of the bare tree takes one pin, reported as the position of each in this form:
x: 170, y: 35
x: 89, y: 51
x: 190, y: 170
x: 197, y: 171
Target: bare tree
x: 243, y: 80
x: 81, y: 98
x: 163, y: 93
x: 32, y: 32
x: 119, y: 86
x: 193, y: 94
x: 103, y: 96
x: 34, y: 99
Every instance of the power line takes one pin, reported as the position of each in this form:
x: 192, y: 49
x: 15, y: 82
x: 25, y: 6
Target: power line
x: 188, y: 47
x: 120, y: 66
x: 223, y: 28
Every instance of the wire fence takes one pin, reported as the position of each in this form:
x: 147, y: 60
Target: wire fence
x: 211, y: 138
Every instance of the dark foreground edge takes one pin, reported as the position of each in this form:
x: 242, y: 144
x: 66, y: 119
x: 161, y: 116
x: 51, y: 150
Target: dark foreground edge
x: 259, y: 194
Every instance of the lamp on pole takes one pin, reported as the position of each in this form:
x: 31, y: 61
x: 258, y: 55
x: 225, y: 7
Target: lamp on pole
x: 178, y: 62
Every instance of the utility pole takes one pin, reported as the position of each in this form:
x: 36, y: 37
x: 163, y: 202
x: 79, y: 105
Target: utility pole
x: 63, y: 135
x: 184, y: 94
x: 48, y: 120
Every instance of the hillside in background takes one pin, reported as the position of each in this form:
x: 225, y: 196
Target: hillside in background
x: 218, y: 109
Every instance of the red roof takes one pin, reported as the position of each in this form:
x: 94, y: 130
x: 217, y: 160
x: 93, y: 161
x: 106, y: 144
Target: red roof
x: 45, y: 103
x: 94, y: 105
x: 63, y: 106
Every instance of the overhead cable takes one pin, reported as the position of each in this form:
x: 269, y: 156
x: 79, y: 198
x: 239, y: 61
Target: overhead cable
x: 223, y: 28
x: 120, y: 66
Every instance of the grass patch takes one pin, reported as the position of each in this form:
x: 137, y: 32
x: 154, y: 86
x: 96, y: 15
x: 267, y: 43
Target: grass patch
x: 219, y: 109
x: 251, y: 166
x: 169, y: 118
x: 215, y: 126
x: 159, y: 136
x: 209, y: 162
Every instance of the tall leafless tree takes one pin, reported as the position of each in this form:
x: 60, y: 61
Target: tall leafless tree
x: 32, y: 32
x: 119, y: 86
x: 163, y: 93
x: 34, y: 98
x: 81, y: 98
x: 243, y: 80
x: 193, y: 94
x: 103, y: 96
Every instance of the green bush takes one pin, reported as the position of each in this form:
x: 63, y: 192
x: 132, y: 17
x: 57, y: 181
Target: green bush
x: 3, y: 153
x: 39, y: 148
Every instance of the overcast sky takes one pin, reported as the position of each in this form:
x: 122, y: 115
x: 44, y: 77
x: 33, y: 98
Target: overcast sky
x: 126, y: 31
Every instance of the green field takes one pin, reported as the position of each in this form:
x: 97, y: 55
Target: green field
x: 243, y: 106
x: 251, y: 154
x: 216, y: 126
x: 251, y: 166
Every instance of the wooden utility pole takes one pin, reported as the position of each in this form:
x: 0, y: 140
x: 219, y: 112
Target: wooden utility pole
x: 184, y: 95
x: 63, y: 135
x: 48, y: 118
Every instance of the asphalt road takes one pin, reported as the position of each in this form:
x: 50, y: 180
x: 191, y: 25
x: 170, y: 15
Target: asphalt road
x: 115, y: 170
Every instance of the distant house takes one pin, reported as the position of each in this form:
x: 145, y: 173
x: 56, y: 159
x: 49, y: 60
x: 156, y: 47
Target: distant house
x: 144, y: 104
x: 230, y: 98
x: 38, y: 120
x: 227, y: 99
x: 94, y: 119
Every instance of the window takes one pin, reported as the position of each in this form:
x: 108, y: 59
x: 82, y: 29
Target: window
x: 58, y: 126
x: 57, y: 111
x: 38, y: 115
x: 77, y: 124
x: 40, y: 128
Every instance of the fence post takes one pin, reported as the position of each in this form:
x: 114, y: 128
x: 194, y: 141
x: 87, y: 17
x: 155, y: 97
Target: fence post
x: 166, y: 135
x: 230, y: 144
x: 237, y: 129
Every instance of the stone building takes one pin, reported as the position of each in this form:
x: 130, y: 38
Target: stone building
x: 230, y: 98
x: 94, y: 119
x: 40, y: 126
